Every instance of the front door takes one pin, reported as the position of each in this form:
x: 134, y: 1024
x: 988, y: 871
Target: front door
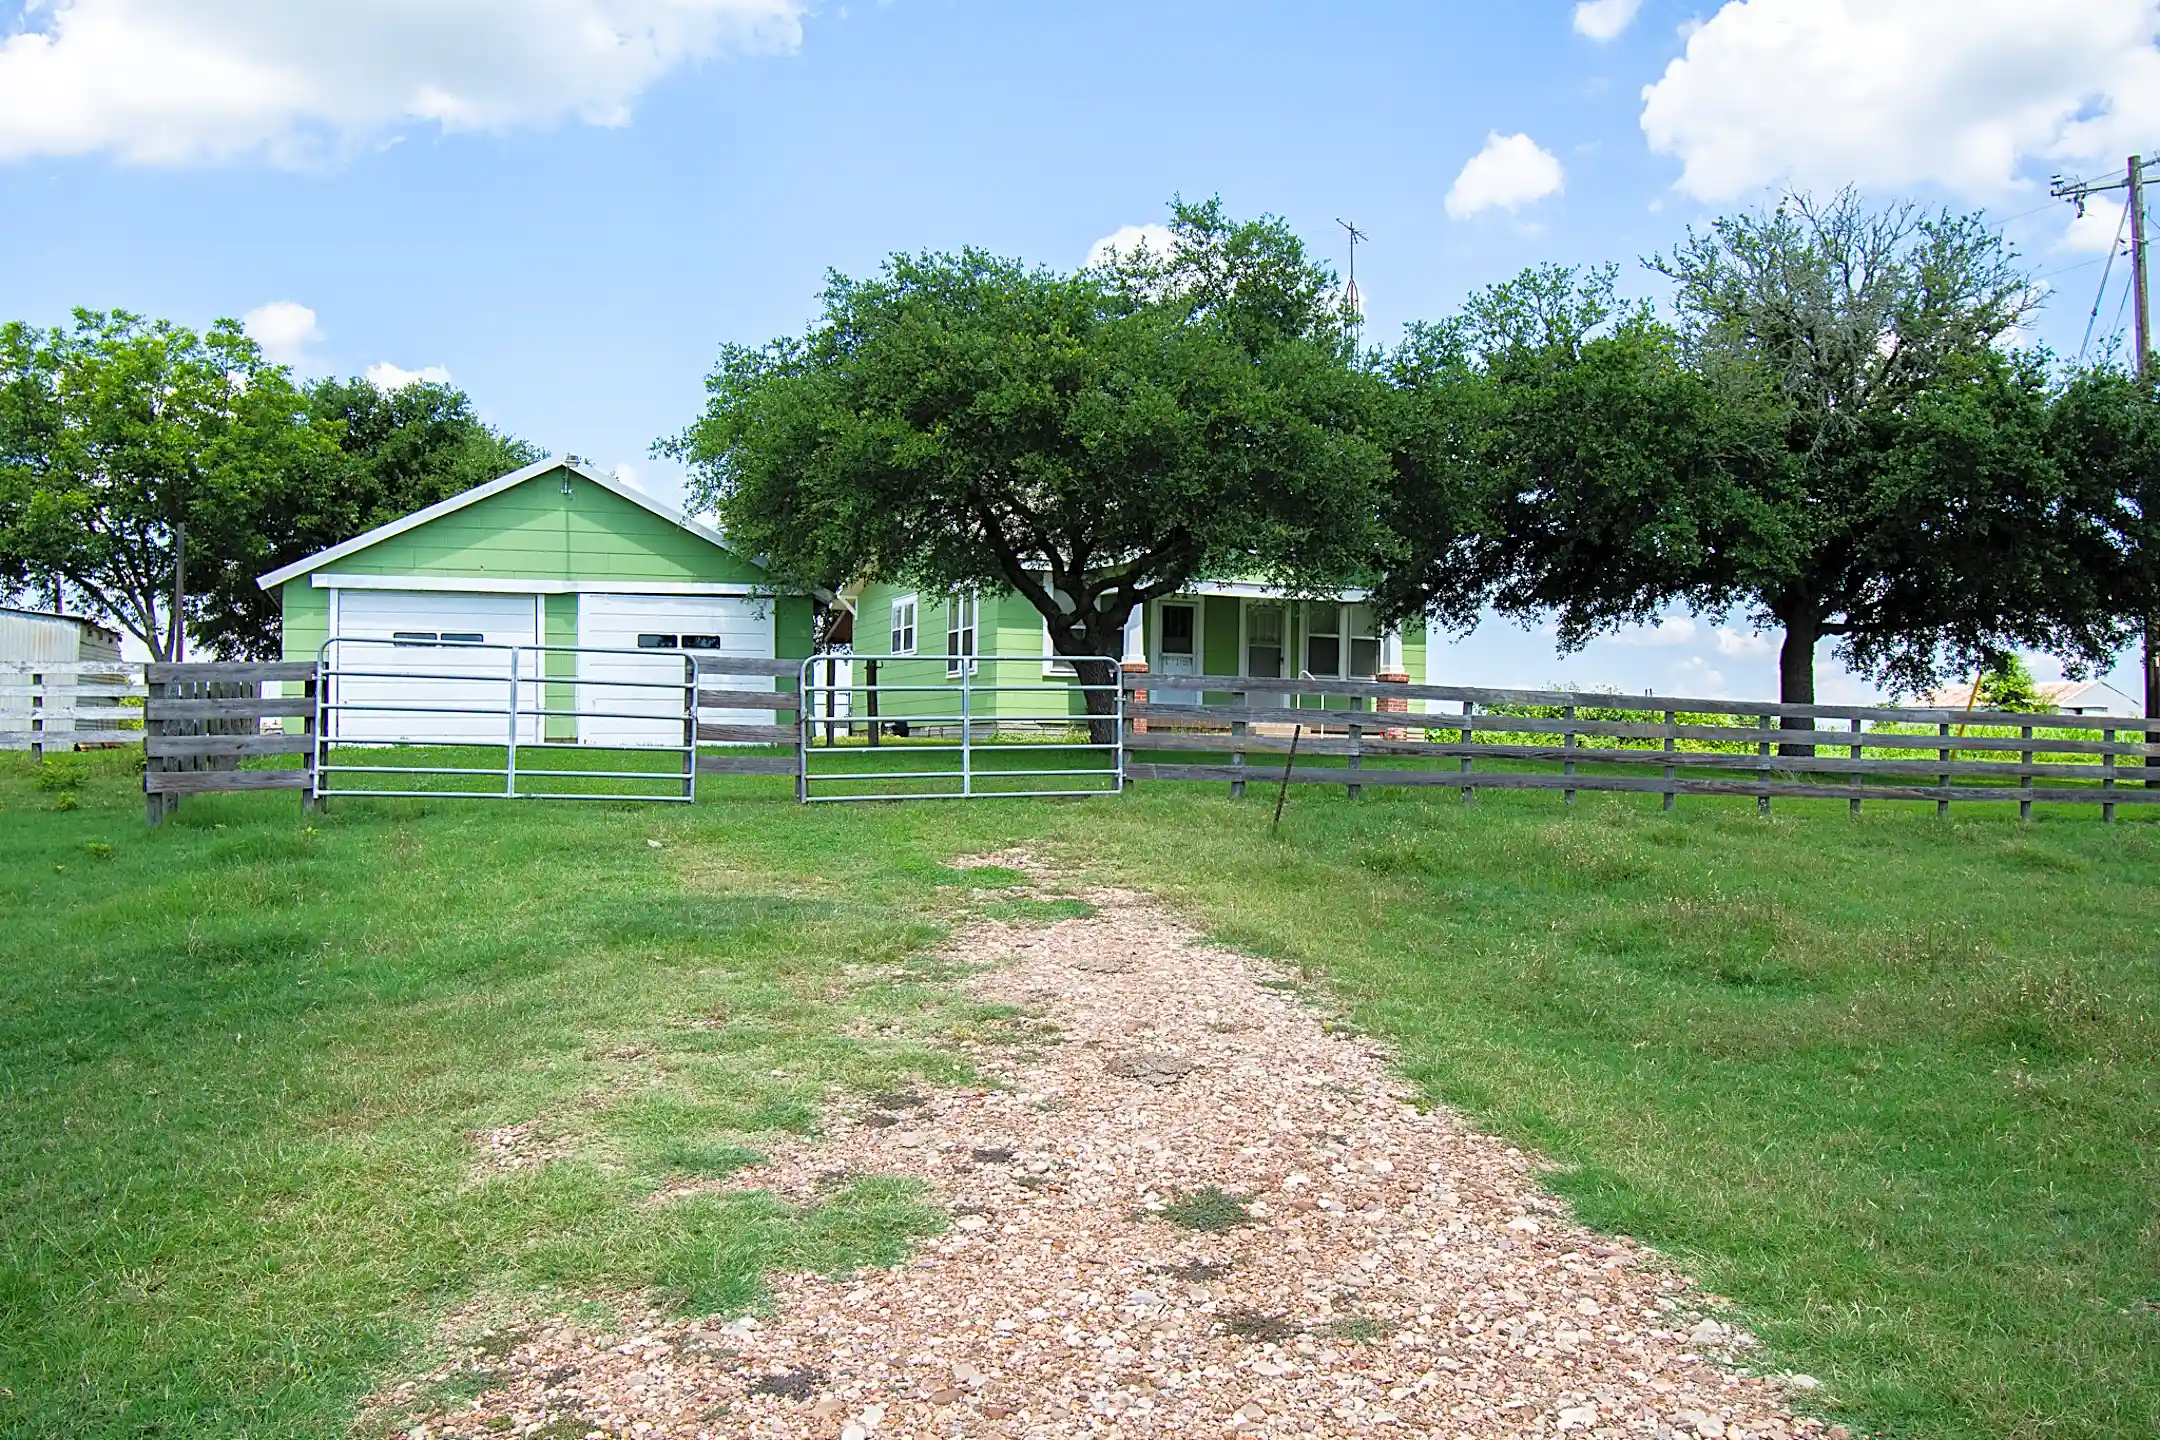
x: 1178, y: 651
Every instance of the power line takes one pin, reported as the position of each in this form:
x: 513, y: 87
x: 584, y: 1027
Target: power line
x: 2113, y: 249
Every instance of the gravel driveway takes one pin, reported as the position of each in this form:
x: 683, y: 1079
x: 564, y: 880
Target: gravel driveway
x: 1192, y: 1208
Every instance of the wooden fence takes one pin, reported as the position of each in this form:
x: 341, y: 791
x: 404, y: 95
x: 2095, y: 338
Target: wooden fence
x: 713, y: 673
x: 1824, y: 756
x: 62, y: 703
x: 200, y: 721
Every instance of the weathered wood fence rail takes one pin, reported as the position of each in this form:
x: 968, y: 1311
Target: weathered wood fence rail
x: 1767, y: 751
x: 69, y: 702
x: 201, y: 720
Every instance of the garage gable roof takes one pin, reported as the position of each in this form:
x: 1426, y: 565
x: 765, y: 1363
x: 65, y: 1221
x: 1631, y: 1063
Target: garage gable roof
x: 478, y: 493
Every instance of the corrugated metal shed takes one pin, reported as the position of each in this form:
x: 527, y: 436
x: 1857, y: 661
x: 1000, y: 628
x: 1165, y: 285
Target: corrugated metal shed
x: 29, y: 636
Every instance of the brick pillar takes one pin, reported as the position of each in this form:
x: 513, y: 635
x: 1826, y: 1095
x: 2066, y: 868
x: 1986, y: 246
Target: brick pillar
x: 1137, y: 697
x: 1394, y: 705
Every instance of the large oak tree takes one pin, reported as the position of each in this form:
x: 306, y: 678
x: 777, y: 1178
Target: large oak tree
x: 132, y: 449
x: 1092, y: 440
x: 1914, y: 515
x: 397, y: 451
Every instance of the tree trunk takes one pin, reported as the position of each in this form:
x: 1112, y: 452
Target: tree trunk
x: 1101, y: 705
x: 1101, y: 642
x: 176, y: 630
x: 1796, y: 678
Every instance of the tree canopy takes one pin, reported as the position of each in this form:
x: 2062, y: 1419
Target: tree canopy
x: 1831, y: 439
x: 142, y: 462
x: 126, y: 445
x: 1092, y: 440
x: 397, y: 451
x: 1914, y: 514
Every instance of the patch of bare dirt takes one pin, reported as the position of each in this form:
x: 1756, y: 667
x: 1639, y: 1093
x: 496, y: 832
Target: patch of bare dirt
x: 1202, y: 1215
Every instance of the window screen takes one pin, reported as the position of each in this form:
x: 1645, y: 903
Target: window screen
x: 1264, y: 641
x: 1177, y: 629
x: 1364, y: 643
x: 903, y: 626
x: 701, y: 642
x: 659, y: 642
x: 1323, y: 642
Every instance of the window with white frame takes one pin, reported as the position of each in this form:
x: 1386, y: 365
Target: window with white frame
x: 903, y: 626
x: 1323, y: 642
x: 960, y: 616
x: 1053, y: 663
x: 1364, y: 642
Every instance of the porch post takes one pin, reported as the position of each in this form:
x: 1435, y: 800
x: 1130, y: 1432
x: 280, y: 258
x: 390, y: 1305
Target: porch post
x: 1392, y: 672
x: 1135, y: 663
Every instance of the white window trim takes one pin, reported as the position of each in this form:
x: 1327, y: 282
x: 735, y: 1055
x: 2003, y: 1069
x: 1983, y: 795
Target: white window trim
x: 957, y: 605
x: 1244, y: 635
x: 914, y: 625
x: 1055, y: 664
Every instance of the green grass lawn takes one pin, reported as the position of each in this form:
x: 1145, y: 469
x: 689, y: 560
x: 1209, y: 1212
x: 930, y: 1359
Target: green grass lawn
x: 1891, y: 1085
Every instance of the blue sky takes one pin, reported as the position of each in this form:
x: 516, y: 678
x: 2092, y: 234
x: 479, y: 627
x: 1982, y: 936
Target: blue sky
x: 567, y: 205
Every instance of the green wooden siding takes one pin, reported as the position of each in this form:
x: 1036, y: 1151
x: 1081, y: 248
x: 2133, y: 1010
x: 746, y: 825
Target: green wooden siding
x: 307, y: 618
x: 536, y: 532
x: 1009, y: 626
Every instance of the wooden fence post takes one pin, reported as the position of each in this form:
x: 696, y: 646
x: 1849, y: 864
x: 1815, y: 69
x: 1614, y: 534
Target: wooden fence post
x: 1355, y: 760
x: 1857, y: 775
x: 1942, y: 756
x: 154, y: 803
x: 1469, y: 730
x: 1567, y: 742
x: 2107, y: 781
x: 2025, y: 776
x: 1238, y: 728
x: 1670, y: 737
x: 1762, y: 771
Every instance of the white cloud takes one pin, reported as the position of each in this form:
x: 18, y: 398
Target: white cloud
x: 385, y: 376
x: 284, y: 329
x: 1741, y: 642
x: 1669, y: 630
x: 1699, y: 679
x: 191, y: 81
x: 626, y: 474
x: 1604, y: 19
x: 1895, y: 93
x: 1510, y: 172
x: 2099, y: 229
x: 1127, y: 239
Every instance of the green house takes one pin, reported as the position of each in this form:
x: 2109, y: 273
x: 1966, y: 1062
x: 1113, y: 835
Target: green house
x: 1214, y: 630
x: 543, y: 563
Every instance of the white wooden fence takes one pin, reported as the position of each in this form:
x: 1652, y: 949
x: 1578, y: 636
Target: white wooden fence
x: 61, y: 703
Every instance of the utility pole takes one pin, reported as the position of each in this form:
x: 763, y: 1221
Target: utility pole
x: 1350, y: 292
x: 2077, y: 192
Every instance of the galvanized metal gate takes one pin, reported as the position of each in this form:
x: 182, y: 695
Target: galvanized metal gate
x: 955, y: 727
x: 437, y: 717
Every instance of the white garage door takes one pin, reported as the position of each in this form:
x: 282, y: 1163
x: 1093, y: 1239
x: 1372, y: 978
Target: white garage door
x: 429, y: 648
x: 666, y: 627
